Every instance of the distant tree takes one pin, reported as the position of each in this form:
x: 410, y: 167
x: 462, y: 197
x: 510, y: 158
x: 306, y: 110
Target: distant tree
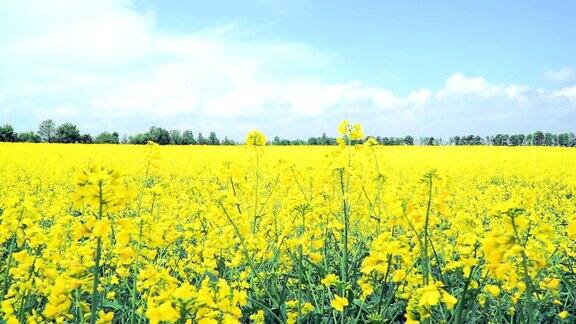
x: 454, y: 140
x: 538, y: 138
x: 408, y: 140
x: 528, y: 139
x: 188, y: 138
x: 29, y: 137
x: 7, y: 134
x: 563, y: 139
x: 228, y: 141
x: 47, y: 130
x: 477, y: 140
x: 571, y: 140
x: 176, y: 137
x: 86, y: 139
x: 517, y: 139
x: 500, y: 140
x: 107, y: 138
x: 201, y: 140
x: 141, y: 138
x: 213, y: 139
x: 549, y: 139
x: 159, y: 135
x: 276, y: 140
x: 67, y: 133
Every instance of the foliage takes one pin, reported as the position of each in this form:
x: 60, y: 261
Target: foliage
x: 7, y: 134
x: 48, y: 133
x: 47, y: 130
x: 29, y: 137
x: 107, y: 138
x: 67, y: 133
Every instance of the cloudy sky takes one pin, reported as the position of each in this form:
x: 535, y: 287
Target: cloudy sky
x: 291, y: 68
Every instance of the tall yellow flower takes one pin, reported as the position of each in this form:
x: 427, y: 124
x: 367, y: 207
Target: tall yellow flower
x: 255, y: 138
x: 338, y: 303
x: 343, y: 127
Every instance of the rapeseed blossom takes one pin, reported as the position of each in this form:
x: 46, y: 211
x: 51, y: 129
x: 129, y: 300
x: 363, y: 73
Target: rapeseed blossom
x: 208, y: 234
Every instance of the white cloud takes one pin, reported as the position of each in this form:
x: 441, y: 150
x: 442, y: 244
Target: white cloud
x: 568, y: 93
x: 102, y: 64
x: 460, y: 85
x: 420, y: 97
x: 564, y: 74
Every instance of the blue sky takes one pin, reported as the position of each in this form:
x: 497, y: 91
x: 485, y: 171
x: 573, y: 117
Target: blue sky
x: 290, y: 68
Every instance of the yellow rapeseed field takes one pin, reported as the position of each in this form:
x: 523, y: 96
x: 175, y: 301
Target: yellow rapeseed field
x: 354, y: 233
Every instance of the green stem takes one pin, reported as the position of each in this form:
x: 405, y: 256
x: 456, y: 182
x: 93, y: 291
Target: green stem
x: 8, y: 266
x: 527, y: 280
x: 9, y: 262
x: 424, y: 251
x: 256, y: 192
x: 245, y: 252
x: 380, y: 302
x: 96, y: 269
x: 344, y: 259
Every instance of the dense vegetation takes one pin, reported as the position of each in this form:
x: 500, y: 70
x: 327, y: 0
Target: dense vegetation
x: 69, y: 133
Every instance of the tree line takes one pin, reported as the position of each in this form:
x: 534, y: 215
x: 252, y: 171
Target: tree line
x: 49, y: 132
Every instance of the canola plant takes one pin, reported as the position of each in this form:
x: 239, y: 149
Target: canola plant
x: 354, y: 233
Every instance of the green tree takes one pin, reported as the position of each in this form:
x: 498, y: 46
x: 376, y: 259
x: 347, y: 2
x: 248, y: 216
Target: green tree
x: 202, y: 140
x: 176, y: 137
x: 549, y: 139
x: 159, y: 135
x: 47, y: 130
x: 141, y: 138
x: 188, y: 138
x: 213, y: 139
x: 564, y: 139
x: 517, y: 140
x: 29, y: 137
x: 86, y: 139
x: 538, y: 138
x: 67, y: 133
x: 7, y: 134
x: 408, y: 140
x: 107, y: 138
x: 228, y: 141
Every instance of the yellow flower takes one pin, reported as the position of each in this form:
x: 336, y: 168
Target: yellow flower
x: 164, y: 312
x: 563, y: 314
x: 571, y: 230
x: 357, y: 133
x: 343, y: 127
x: 329, y: 280
x: 551, y: 284
x: 338, y: 303
x: 255, y: 138
x: 430, y: 296
x: 105, y: 318
x: 492, y: 290
x: 101, y: 228
x: 448, y: 300
x: 371, y: 141
x: 258, y: 317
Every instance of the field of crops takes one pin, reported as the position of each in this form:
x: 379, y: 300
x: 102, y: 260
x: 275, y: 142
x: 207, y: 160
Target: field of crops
x: 122, y: 233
